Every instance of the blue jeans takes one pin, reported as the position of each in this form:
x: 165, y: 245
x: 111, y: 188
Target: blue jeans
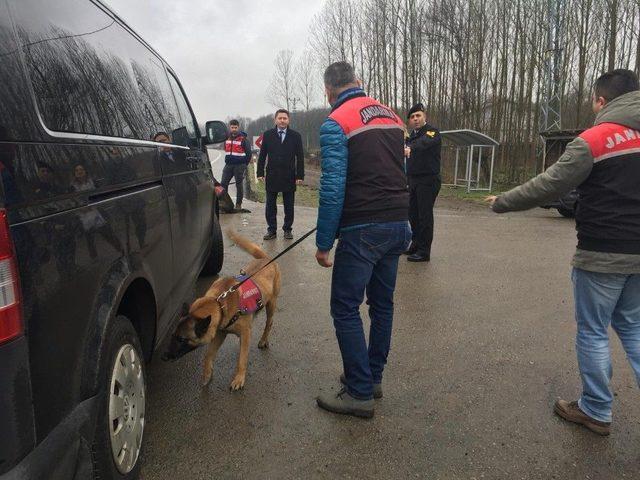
x: 366, y: 259
x: 604, y: 299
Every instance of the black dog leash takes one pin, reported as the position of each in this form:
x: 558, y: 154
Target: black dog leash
x: 235, y: 287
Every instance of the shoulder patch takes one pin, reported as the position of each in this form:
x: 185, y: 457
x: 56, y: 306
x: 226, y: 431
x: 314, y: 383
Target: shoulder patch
x: 431, y: 133
x: 371, y: 112
x: 608, y: 140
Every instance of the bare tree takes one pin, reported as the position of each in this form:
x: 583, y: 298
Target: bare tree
x: 281, y: 90
x: 480, y: 63
x: 306, y: 81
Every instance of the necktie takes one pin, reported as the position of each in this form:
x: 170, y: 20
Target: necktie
x: 281, y: 133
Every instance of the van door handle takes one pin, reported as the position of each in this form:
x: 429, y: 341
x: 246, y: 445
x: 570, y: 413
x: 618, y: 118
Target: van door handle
x: 193, y: 161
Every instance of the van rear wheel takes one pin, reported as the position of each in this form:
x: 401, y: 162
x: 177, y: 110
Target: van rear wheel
x: 122, y: 407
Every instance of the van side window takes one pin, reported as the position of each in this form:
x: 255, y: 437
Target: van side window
x: 15, y: 102
x: 91, y: 75
x: 188, y: 123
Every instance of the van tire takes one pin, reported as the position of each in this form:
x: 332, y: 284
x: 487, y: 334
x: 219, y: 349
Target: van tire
x: 121, y: 340
x: 213, y: 265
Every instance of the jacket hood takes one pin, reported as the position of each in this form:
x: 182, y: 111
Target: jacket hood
x: 624, y: 110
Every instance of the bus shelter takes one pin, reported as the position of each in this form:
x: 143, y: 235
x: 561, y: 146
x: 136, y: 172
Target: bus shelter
x: 475, y: 155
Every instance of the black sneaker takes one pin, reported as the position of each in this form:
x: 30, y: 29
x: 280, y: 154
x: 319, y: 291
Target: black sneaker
x: 419, y: 257
x: 288, y: 235
x: 413, y: 248
x: 269, y: 236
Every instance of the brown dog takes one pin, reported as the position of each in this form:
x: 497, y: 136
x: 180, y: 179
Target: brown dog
x: 211, y: 318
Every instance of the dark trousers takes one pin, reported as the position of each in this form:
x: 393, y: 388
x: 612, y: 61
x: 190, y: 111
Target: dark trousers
x: 271, y: 210
x: 366, y: 260
x: 423, y: 192
x: 238, y: 172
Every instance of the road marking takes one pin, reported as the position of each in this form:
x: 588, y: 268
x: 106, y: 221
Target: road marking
x: 217, y: 153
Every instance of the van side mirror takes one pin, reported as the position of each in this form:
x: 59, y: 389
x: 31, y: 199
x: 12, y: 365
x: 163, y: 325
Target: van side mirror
x: 216, y: 131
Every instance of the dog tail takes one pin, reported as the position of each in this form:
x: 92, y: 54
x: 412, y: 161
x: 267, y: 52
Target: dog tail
x: 247, y: 245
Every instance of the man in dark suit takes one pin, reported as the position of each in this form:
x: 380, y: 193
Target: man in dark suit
x: 282, y: 152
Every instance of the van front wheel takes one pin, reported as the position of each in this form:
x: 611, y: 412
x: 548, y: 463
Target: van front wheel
x: 213, y: 265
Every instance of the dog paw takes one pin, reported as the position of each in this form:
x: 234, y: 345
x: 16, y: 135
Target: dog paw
x: 237, y: 384
x: 262, y: 344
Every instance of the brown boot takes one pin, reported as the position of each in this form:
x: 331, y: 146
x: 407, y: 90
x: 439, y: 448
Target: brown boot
x: 572, y: 413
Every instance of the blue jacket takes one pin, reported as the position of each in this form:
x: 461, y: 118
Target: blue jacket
x: 334, y: 152
x: 363, y: 180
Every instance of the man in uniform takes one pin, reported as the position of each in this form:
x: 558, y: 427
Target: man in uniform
x: 603, y: 163
x: 423, y: 174
x: 237, y: 149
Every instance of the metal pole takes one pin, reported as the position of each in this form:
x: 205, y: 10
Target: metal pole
x: 493, y: 155
x: 479, y: 167
x: 469, y: 167
x: 455, y: 174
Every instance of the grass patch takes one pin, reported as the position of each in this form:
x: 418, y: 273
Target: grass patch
x: 462, y: 194
x: 308, y: 197
x: 305, y: 196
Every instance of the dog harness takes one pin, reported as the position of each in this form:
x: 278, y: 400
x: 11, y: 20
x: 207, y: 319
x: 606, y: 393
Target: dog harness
x: 250, y: 293
x: 250, y: 298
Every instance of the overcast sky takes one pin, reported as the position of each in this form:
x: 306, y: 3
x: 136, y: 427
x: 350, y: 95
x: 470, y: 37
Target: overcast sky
x: 222, y: 51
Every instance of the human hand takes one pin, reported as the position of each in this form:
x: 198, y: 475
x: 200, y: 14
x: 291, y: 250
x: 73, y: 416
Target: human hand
x: 491, y: 199
x: 261, y: 179
x: 407, y: 151
x: 299, y: 182
x: 323, y: 259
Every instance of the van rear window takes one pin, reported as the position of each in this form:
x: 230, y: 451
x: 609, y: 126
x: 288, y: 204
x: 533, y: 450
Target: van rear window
x: 92, y: 76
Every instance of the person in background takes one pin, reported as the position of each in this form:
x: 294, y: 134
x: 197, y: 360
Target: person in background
x: 238, y: 156
x: 281, y: 167
x: 423, y: 173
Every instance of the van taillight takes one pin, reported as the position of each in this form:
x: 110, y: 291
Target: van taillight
x: 10, y: 311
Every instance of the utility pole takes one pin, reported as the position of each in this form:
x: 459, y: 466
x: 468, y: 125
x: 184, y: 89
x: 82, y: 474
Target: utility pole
x: 551, y: 118
x: 294, y: 101
x: 550, y: 107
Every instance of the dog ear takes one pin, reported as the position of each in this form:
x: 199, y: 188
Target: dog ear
x: 202, y: 326
x: 185, y: 310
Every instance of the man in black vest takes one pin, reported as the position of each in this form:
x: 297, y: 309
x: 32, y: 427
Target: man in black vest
x: 423, y: 175
x: 603, y: 163
x: 282, y: 151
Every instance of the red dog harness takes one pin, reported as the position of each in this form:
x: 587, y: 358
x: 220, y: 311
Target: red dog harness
x: 250, y: 298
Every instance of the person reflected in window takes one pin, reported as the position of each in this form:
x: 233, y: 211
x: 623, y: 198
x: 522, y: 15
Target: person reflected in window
x: 92, y: 220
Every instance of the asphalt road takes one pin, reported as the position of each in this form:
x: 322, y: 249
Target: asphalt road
x: 483, y: 344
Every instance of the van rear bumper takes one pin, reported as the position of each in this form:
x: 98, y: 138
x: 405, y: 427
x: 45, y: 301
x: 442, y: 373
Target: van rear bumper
x: 65, y: 453
x: 17, y: 431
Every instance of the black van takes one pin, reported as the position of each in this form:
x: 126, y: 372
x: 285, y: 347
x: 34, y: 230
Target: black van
x: 107, y: 216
